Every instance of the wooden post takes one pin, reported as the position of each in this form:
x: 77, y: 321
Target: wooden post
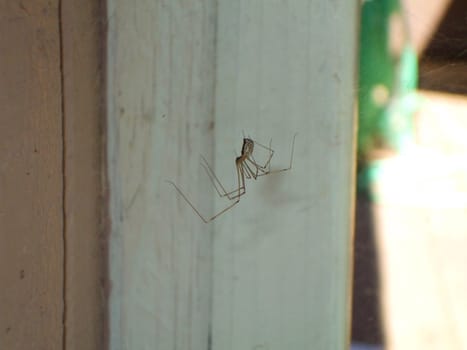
x: 281, y: 267
x: 52, y: 201
x: 161, y: 65
x: 31, y: 198
x: 85, y: 207
x: 185, y: 78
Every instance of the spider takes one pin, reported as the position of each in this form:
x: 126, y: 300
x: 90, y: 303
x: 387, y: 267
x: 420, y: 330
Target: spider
x: 247, y: 168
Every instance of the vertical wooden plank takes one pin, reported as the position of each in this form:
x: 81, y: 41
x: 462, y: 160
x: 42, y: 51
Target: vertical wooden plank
x: 31, y: 225
x: 160, y: 110
x: 281, y: 268
x: 281, y: 271
x: 85, y: 202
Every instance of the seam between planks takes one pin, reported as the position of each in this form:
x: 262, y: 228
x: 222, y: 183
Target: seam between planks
x: 64, y: 241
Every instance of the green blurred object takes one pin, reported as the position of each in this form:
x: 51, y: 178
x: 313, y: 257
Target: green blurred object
x: 388, y: 79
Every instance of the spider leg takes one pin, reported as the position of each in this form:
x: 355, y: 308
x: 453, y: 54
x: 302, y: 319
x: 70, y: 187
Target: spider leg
x: 259, y: 169
x: 253, y: 174
x: 267, y: 164
x: 284, y: 169
x: 222, y: 192
x: 241, y: 183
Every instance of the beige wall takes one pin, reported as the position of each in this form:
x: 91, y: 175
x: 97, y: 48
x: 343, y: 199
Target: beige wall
x: 51, y: 256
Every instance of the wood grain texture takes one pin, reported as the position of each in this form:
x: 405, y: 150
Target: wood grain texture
x: 281, y: 267
x: 85, y: 202
x: 31, y: 225
x: 185, y: 78
x: 160, y: 102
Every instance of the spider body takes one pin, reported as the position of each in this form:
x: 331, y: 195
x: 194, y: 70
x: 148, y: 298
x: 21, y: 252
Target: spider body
x: 247, y: 149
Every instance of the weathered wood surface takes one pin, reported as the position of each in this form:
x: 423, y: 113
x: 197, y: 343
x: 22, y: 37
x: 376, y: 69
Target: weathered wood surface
x: 185, y: 78
x: 52, y: 208
x: 83, y: 39
x: 31, y: 225
x: 281, y: 268
x: 161, y: 67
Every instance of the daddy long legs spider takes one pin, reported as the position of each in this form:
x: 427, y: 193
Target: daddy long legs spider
x: 247, y: 168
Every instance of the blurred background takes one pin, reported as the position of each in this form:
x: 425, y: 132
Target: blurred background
x: 410, y: 278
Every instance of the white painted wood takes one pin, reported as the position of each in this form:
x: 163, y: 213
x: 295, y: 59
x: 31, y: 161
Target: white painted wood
x: 281, y: 257
x: 185, y: 78
x: 160, y: 96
